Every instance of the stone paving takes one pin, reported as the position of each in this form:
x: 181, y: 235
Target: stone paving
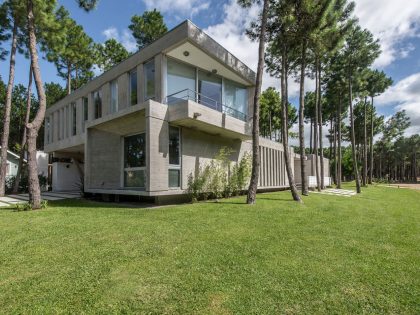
x: 11, y: 200
x: 336, y: 192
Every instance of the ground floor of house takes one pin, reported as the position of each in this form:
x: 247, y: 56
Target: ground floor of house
x: 144, y: 153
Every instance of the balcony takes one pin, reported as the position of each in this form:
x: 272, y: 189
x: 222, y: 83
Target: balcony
x: 190, y: 109
x: 194, y: 96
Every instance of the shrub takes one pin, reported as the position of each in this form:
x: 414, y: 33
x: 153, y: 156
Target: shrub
x: 219, y: 178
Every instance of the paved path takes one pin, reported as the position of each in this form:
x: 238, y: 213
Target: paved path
x: 11, y: 200
x: 336, y: 192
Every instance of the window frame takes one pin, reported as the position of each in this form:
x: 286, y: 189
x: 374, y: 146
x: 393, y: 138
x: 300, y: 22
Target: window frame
x: 130, y: 88
x: 137, y: 168
x: 147, y: 97
x: 99, y: 93
x: 178, y: 167
x: 73, y: 118
x: 111, y: 107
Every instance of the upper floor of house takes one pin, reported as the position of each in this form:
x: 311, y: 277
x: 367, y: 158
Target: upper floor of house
x: 183, y: 65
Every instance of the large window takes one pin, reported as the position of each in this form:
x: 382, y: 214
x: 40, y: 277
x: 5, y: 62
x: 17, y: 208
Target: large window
x: 174, y: 171
x: 180, y: 77
x: 135, y: 161
x: 133, y: 87
x: 149, y: 80
x: 210, y: 89
x: 114, y: 96
x: 236, y: 99
x: 73, y: 119
x: 97, y: 101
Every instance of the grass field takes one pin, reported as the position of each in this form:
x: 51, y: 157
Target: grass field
x: 330, y: 255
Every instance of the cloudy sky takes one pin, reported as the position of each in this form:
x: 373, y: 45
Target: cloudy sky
x: 395, y: 23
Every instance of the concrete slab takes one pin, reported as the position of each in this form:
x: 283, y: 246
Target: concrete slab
x: 2, y: 204
x: 60, y: 195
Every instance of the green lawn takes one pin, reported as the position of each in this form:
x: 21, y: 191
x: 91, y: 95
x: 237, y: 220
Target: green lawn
x: 330, y: 255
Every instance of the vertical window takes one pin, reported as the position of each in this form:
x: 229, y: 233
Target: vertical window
x: 135, y: 161
x: 236, y: 99
x: 47, y: 130
x: 210, y: 89
x: 85, y: 105
x: 61, y: 124
x: 133, y: 87
x: 149, y: 80
x: 73, y: 119
x: 114, y: 96
x: 174, y: 171
x: 97, y: 101
x: 180, y: 81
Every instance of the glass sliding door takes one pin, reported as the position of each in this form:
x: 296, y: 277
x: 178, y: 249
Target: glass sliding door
x: 235, y: 99
x: 180, y: 81
x: 210, y: 90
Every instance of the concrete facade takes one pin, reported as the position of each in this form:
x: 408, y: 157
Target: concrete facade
x: 93, y: 148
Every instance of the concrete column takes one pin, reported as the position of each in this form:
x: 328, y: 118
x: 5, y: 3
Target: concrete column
x: 157, y: 144
x: 159, y: 79
x: 106, y: 99
x: 123, y: 91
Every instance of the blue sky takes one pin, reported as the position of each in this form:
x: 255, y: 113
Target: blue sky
x: 396, y: 24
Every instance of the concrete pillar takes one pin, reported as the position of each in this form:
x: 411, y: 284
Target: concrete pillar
x: 123, y: 91
x: 157, y: 140
x: 159, y: 79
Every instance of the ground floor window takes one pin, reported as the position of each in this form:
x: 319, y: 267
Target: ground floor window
x: 174, y: 171
x: 135, y: 161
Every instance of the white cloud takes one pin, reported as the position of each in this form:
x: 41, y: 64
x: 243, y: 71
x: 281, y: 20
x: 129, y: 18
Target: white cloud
x: 405, y: 95
x: 124, y: 37
x: 185, y: 7
x: 392, y: 22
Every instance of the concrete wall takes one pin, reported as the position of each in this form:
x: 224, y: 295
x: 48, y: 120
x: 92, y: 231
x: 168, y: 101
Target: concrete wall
x: 310, y: 167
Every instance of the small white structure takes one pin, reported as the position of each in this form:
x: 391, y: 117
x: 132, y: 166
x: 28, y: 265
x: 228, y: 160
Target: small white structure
x: 12, y: 163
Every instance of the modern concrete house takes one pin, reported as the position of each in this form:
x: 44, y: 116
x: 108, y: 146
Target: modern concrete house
x: 143, y: 126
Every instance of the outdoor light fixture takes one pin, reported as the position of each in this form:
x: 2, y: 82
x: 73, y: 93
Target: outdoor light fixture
x: 196, y: 115
x: 186, y: 53
x: 214, y: 71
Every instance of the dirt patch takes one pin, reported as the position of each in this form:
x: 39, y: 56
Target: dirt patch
x: 411, y: 186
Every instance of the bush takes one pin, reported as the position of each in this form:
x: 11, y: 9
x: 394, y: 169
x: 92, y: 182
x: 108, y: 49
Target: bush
x: 24, y: 183
x: 219, y: 178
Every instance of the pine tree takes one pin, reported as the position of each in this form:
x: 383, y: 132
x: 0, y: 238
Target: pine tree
x: 109, y: 54
x: 148, y: 27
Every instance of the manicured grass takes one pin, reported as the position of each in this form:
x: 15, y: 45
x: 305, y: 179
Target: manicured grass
x: 331, y: 255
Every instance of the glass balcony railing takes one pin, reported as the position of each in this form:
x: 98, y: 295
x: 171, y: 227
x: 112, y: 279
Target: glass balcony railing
x: 191, y: 95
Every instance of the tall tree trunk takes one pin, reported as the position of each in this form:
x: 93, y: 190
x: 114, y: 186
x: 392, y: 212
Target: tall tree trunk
x: 365, y: 156
x: 304, y: 180
x: 335, y: 150
x: 23, y: 141
x: 321, y: 146
x: 339, y: 142
x: 284, y: 126
x: 353, y: 147
x: 318, y: 181
x: 253, y: 185
x: 34, y: 126
x: 371, y: 142
x: 7, y: 109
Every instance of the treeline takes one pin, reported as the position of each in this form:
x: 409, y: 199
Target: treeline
x: 322, y: 40
x: 40, y: 28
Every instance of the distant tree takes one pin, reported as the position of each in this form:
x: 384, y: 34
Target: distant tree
x: 148, y: 27
x: 4, y: 25
x: 53, y: 93
x: 377, y: 83
x: 109, y: 54
x: 73, y: 57
x: 87, y: 5
x: 360, y: 50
